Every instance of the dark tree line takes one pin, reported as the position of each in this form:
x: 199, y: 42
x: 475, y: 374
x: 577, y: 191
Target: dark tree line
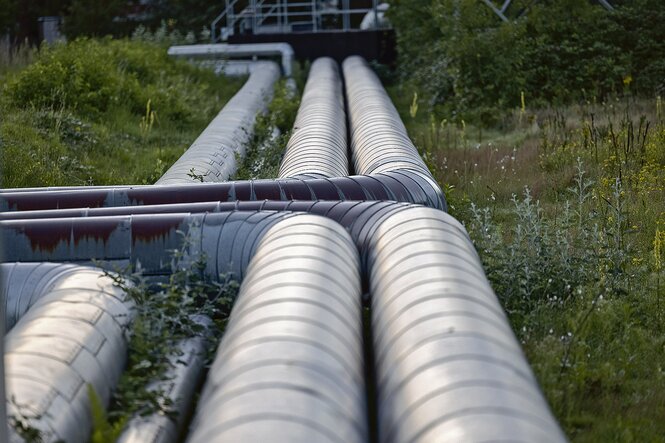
x: 118, y: 18
x: 467, y: 59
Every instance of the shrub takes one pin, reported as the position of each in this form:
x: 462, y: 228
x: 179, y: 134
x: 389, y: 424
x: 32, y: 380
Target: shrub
x: 555, y: 52
x: 74, y: 115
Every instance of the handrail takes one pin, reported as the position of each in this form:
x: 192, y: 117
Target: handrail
x: 227, y: 13
x: 258, y: 12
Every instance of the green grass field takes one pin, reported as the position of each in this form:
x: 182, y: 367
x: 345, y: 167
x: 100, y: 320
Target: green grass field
x: 566, y: 207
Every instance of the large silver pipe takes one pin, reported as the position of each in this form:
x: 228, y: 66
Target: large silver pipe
x: 407, y: 185
x: 317, y: 147
x: 379, y: 141
x: 22, y: 284
x: 3, y: 405
x: 290, y: 365
x: 72, y: 336
x: 227, y: 240
x: 212, y: 156
x: 448, y: 366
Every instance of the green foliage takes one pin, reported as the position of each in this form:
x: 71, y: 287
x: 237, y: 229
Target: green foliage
x: 568, y: 220
x: 93, y: 76
x: 77, y: 115
x: 264, y: 153
x: 102, y: 430
x: 94, y: 18
x: 99, y: 18
x: 183, y: 15
x: 167, y: 35
x: 20, y: 419
x: 557, y: 52
x: 165, y: 314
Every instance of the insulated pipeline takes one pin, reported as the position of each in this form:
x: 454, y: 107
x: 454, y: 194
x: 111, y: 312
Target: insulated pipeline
x: 317, y: 147
x: 72, y: 336
x: 212, y: 156
x: 410, y: 186
x: 226, y: 235
x: 227, y: 240
x: 179, y: 384
x: 448, y: 366
x: 379, y: 140
x: 290, y: 368
x: 22, y: 284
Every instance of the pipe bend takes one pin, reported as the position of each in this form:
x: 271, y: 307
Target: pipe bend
x: 72, y: 336
x: 237, y: 50
x: 23, y: 284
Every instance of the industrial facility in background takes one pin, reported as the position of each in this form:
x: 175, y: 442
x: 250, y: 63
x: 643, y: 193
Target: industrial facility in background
x: 314, y: 28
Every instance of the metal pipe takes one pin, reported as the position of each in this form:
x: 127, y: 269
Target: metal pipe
x: 379, y: 142
x: 290, y: 367
x: 446, y: 359
x: 420, y: 262
x: 179, y: 385
x: 320, y: 207
x: 22, y: 284
x: 317, y: 147
x: 227, y: 240
x: 448, y: 366
x: 212, y: 156
x: 3, y: 406
x: 226, y: 50
x: 73, y: 336
x: 413, y: 186
x: 138, y: 239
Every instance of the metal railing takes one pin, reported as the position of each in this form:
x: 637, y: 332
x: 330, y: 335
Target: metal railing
x: 284, y: 16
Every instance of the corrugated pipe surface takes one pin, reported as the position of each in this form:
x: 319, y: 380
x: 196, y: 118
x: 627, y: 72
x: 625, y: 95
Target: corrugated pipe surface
x: 290, y: 368
x: 72, y: 336
x: 22, y: 284
x: 227, y: 240
x: 448, y: 366
x: 401, y: 185
x: 212, y: 156
x: 317, y: 147
x: 379, y: 141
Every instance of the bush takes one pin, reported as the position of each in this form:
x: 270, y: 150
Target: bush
x: 93, y: 76
x: 76, y: 115
x: 556, y: 52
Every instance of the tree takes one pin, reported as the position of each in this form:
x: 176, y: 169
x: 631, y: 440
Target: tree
x: 94, y: 18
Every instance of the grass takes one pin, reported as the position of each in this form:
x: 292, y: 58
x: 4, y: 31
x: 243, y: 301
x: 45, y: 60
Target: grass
x: 75, y: 114
x: 566, y: 207
x: 271, y: 134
